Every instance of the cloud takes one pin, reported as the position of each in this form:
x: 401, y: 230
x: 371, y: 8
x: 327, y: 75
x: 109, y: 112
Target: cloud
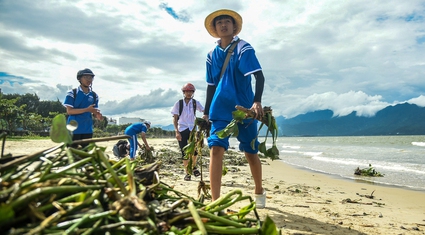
x: 419, y: 101
x: 156, y: 99
x: 181, y: 16
x: 340, y: 104
x: 340, y: 55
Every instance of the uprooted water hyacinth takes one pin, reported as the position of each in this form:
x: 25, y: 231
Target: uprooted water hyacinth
x: 195, y: 145
x: 63, y: 190
x: 240, y: 115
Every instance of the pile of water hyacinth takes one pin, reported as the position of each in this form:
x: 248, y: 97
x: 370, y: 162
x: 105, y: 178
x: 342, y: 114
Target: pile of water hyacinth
x: 65, y: 190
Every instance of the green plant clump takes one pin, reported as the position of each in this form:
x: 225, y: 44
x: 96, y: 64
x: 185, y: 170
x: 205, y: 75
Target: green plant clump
x: 370, y: 171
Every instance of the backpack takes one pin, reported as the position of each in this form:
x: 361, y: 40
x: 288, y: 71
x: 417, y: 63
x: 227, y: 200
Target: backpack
x: 94, y: 95
x: 120, y: 148
x: 181, y: 107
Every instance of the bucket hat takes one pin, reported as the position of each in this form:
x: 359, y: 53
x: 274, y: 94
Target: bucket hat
x: 209, y: 21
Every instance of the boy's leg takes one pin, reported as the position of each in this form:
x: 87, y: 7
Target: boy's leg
x: 256, y: 171
x: 216, y: 166
x: 217, y: 148
x: 133, y: 146
x: 182, y: 143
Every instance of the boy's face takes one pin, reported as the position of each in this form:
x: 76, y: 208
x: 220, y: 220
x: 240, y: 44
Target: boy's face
x: 86, y: 80
x: 188, y: 94
x: 224, y: 26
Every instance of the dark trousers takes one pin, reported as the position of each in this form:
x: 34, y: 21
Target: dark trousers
x: 80, y: 137
x: 185, y: 137
x: 182, y: 143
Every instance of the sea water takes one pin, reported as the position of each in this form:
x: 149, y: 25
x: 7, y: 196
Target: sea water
x: 400, y: 158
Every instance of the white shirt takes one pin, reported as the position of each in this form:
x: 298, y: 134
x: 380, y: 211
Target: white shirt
x: 187, y: 118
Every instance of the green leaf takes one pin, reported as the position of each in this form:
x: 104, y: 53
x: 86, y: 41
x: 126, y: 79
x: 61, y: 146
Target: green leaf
x: 235, y: 131
x: 189, y: 149
x: 269, y: 227
x: 224, y: 170
x: 262, y: 147
x: 59, y: 133
x: 230, y: 129
x: 253, y: 143
x: 246, y: 210
x: 238, y: 115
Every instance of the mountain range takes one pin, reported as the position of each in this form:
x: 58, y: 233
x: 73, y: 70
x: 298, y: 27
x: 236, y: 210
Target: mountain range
x: 400, y: 119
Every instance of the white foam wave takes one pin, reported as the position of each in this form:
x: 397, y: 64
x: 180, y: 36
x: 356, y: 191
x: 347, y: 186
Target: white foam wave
x: 422, y: 144
x: 290, y: 147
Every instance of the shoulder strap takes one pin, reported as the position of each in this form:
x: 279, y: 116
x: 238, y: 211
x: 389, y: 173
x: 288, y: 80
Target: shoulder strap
x: 180, y: 107
x: 229, y: 53
x: 194, y: 106
x: 94, y: 97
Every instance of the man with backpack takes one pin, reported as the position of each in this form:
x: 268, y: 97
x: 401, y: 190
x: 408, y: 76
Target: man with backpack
x: 184, y: 114
x: 81, y: 103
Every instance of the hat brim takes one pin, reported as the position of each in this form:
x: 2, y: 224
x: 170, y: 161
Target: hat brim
x: 209, y: 21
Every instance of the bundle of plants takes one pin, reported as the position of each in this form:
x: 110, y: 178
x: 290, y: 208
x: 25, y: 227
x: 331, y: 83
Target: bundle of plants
x: 242, y: 115
x: 64, y: 190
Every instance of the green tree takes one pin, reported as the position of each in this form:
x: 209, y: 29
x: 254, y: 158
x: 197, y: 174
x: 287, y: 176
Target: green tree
x: 113, y: 129
x: 30, y: 100
x: 10, y: 113
x: 48, y: 106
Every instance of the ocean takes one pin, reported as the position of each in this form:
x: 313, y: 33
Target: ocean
x: 400, y: 158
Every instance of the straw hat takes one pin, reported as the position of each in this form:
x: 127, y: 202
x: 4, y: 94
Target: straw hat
x: 209, y: 21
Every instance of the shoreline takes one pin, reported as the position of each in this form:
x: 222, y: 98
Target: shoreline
x: 354, y: 180
x: 299, y: 201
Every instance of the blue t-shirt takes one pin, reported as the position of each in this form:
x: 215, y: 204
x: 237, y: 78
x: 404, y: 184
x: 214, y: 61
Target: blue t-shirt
x: 135, y: 129
x: 84, y: 120
x: 234, y: 88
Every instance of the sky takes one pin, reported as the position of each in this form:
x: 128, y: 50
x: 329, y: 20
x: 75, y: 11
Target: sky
x: 354, y: 55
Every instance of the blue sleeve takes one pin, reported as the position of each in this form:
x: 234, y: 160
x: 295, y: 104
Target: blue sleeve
x: 248, y: 63
x: 209, y: 76
x: 69, y: 99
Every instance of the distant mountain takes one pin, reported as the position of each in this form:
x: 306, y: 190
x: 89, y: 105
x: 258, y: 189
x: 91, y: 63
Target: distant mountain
x: 168, y: 128
x: 401, y: 119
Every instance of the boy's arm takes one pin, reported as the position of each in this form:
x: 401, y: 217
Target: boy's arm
x: 74, y: 111
x: 210, y: 93
x: 259, y: 87
x: 145, y: 141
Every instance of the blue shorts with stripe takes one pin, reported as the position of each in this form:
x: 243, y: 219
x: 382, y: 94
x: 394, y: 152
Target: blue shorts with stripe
x: 247, y: 133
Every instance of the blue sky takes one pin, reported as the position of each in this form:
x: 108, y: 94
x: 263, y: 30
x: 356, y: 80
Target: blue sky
x: 340, y: 55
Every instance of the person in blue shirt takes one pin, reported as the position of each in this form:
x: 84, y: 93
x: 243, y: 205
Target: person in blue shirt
x: 133, y: 130
x: 184, y: 123
x: 231, y: 89
x: 81, y: 103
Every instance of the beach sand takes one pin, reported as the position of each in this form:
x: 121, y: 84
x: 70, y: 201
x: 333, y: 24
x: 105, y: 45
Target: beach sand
x: 298, y: 201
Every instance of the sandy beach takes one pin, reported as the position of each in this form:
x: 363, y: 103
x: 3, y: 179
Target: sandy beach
x: 299, y: 201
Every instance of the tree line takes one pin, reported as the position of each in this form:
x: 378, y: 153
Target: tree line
x: 28, y: 115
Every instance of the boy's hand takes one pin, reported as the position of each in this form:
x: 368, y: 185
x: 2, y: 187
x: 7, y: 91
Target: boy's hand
x: 258, y: 109
x: 98, y: 115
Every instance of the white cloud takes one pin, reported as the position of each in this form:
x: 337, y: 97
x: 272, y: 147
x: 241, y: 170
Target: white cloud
x: 419, y: 101
x: 340, y: 55
x: 340, y: 104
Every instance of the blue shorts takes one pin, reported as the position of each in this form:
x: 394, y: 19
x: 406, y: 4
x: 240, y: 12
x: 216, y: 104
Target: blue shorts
x: 247, y: 133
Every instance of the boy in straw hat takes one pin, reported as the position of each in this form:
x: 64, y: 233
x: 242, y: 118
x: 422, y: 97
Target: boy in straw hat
x: 231, y: 89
